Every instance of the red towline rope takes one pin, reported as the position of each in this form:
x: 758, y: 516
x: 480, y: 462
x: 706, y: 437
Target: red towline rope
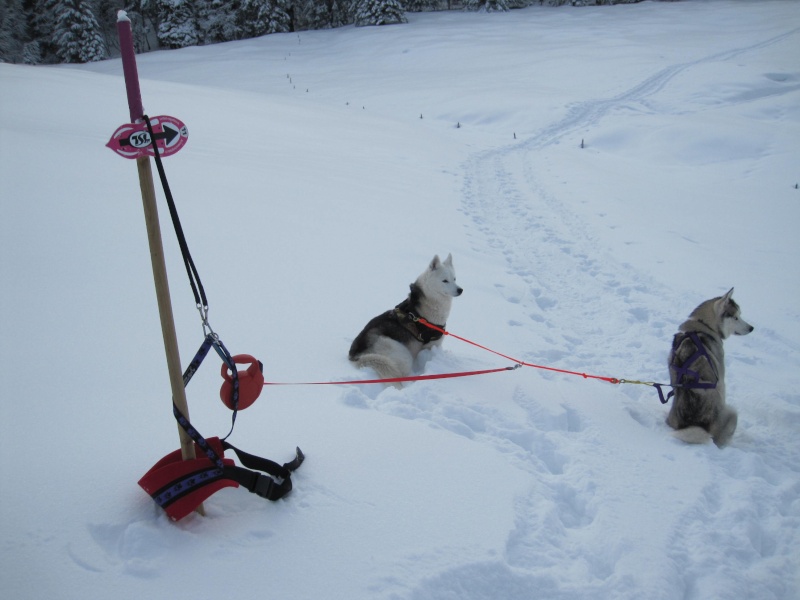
x: 396, y: 379
x: 519, y: 362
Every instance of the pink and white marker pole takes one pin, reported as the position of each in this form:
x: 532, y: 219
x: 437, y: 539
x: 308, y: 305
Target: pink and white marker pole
x: 154, y: 237
x: 129, y: 69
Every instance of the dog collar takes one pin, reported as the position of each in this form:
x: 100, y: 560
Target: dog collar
x: 421, y: 333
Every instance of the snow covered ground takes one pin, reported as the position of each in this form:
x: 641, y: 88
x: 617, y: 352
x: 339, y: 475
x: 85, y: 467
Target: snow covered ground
x: 323, y: 171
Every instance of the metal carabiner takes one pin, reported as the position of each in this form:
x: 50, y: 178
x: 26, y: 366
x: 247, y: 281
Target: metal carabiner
x: 207, y: 330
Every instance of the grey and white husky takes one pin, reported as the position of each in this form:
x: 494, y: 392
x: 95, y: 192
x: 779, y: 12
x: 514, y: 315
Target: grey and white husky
x: 697, y: 372
x: 390, y: 342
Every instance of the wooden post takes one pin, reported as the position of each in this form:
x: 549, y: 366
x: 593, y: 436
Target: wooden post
x: 154, y: 238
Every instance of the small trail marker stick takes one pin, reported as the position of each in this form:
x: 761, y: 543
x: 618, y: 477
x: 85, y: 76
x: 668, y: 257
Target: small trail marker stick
x: 154, y: 237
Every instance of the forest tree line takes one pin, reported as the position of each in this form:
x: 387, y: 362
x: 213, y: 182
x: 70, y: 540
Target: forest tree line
x: 78, y: 31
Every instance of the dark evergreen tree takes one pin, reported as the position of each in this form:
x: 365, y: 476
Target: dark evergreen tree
x: 486, y: 5
x: 281, y: 21
x: 41, y: 23
x: 12, y: 31
x: 421, y: 5
x: 341, y: 12
x: 218, y: 20
x: 32, y: 53
x: 302, y: 14
x: 260, y: 17
x: 106, y: 13
x: 77, y: 34
x: 177, y: 27
x: 379, y: 12
x: 322, y: 14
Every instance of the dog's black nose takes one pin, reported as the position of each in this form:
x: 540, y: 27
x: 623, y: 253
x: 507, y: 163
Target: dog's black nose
x: 458, y: 291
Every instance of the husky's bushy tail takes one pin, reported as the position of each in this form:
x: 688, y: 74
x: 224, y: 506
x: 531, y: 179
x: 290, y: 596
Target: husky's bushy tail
x: 692, y: 435
x: 722, y: 430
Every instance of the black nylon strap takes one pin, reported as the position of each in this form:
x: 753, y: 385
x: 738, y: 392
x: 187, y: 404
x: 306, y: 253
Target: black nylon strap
x: 191, y: 269
x: 251, y: 461
x: 260, y: 464
x: 258, y: 483
x: 276, y: 485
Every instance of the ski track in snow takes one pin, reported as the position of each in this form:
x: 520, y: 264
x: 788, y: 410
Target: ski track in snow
x: 611, y: 305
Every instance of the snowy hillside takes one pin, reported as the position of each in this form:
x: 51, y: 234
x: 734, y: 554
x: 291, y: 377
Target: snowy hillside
x: 323, y: 171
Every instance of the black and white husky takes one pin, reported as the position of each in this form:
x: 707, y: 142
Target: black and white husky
x: 697, y: 370
x: 390, y: 342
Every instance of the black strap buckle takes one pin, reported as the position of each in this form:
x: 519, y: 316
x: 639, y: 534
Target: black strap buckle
x: 263, y: 486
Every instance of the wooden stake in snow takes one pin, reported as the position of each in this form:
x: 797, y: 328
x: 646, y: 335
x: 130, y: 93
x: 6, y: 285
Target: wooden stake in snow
x: 154, y: 237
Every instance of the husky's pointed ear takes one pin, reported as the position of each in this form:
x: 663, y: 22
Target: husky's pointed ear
x: 722, y: 304
x: 435, y: 263
x: 449, y: 260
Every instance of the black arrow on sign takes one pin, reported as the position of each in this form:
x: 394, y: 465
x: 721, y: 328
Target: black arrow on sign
x: 168, y: 134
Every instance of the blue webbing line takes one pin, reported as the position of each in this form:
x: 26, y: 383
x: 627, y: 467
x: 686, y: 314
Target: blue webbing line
x: 202, y: 352
x: 197, y: 438
x: 198, y: 359
x: 661, y: 393
x: 186, y: 485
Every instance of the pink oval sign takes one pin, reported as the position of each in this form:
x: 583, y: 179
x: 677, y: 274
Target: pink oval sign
x: 132, y: 140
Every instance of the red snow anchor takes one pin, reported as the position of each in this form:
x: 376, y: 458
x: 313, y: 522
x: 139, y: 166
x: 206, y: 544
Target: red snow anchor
x: 180, y: 486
